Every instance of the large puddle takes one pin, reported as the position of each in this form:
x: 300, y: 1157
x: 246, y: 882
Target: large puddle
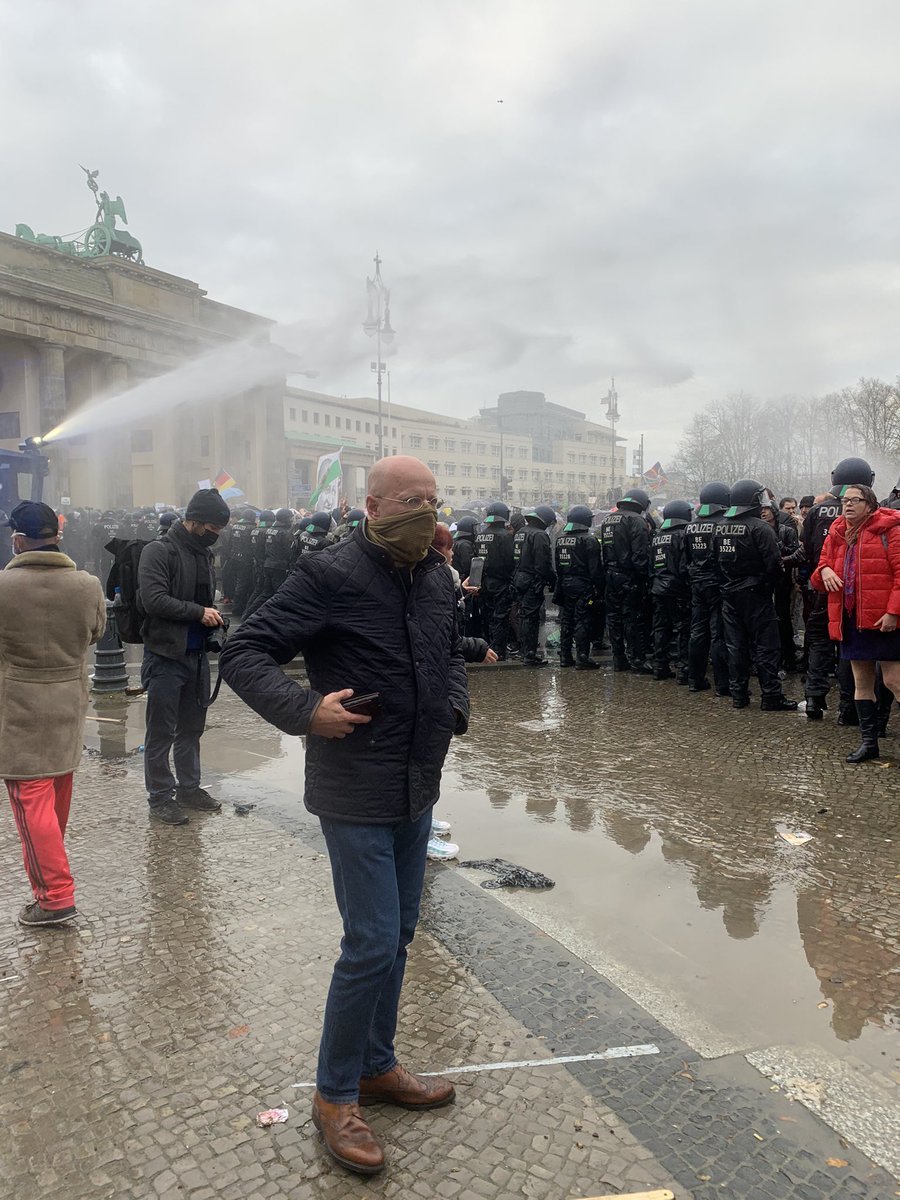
x: 656, y: 813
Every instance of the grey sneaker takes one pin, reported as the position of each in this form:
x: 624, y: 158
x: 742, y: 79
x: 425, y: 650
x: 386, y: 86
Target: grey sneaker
x: 169, y: 813
x: 32, y: 914
x: 198, y: 798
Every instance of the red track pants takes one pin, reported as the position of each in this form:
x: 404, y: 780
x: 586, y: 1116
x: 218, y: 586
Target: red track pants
x: 41, y: 810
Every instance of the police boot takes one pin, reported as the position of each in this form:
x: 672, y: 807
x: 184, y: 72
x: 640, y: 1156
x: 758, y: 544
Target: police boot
x: 699, y: 685
x: 815, y: 707
x: 847, y: 714
x: 587, y: 664
x: 621, y: 664
x: 777, y: 704
x: 663, y: 673
x: 868, y: 727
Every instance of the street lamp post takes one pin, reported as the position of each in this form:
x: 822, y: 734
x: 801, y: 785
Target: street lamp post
x: 378, y: 325
x: 612, y: 413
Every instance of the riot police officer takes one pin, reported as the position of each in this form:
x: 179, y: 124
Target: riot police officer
x: 279, y: 540
x: 749, y: 562
x: 108, y: 527
x: 166, y: 521
x: 258, y: 550
x: 625, y: 548
x: 579, y: 581
x: 351, y: 518
x: 495, y: 545
x: 313, y: 534
x: 707, y: 640
x: 532, y: 573
x: 241, y: 560
x: 670, y: 587
x: 463, y: 553
x: 820, y: 648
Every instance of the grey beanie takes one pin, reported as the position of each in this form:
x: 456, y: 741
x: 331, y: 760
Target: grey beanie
x: 208, y: 507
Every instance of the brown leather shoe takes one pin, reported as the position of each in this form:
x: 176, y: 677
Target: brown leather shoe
x: 406, y: 1090
x: 348, y: 1138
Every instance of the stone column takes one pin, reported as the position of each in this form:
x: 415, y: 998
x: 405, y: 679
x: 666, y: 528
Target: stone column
x: 117, y: 444
x: 52, y: 409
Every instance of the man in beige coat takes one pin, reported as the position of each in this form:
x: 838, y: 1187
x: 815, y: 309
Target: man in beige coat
x: 50, y: 613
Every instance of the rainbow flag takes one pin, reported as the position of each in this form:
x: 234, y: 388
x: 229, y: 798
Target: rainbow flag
x: 227, y: 486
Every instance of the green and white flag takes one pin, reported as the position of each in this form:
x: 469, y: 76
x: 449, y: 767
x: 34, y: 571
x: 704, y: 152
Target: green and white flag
x: 329, y: 481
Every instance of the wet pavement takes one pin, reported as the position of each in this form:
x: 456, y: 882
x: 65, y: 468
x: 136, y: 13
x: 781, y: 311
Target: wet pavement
x: 137, y: 1049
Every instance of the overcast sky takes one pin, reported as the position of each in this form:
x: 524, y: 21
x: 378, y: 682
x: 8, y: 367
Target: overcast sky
x: 697, y: 197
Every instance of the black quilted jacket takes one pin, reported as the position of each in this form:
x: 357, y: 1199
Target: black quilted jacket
x: 359, y: 625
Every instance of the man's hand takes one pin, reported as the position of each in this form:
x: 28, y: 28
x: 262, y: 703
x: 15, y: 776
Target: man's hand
x: 468, y: 589
x: 212, y: 617
x: 331, y: 719
x: 831, y: 580
x: 490, y: 657
x: 887, y: 624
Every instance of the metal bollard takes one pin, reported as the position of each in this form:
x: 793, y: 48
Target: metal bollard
x: 110, y: 674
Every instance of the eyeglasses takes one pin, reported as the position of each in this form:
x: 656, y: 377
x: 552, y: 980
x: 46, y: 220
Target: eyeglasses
x: 853, y: 500
x: 416, y: 501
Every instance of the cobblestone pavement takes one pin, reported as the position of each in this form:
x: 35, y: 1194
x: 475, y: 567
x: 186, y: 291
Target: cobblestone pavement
x: 136, y: 1048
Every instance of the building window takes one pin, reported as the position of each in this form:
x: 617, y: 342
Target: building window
x: 480, y: 448
x: 570, y: 458
x: 327, y: 419
x: 465, y: 469
x: 466, y: 491
x: 432, y: 443
x: 358, y: 426
x: 433, y: 468
x: 523, y: 452
x: 466, y: 447
x: 523, y: 474
x: 593, y: 460
x: 450, y: 444
x: 315, y: 418
x: 495, y: 472
x: 495, y: 449
x: 450, y: 469
x: 481, y: 471
x: 204, y: 445
x: 535, y: 477
x: 337, y: 422
x: 9, y: 425
x: 394, y: 434
x: 304, y: 415
x: 142, y: 442
x: 293, y: 413
x: 368, y: 427
x: 415, y: 441
x: 451, y: 491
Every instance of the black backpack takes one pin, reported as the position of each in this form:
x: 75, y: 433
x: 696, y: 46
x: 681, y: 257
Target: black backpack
x: 124, y: 576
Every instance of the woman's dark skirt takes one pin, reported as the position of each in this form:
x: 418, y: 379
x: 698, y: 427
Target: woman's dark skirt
x: 868, y: 645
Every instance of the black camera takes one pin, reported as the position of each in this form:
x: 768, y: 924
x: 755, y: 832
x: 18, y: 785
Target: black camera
x: 217, y: 637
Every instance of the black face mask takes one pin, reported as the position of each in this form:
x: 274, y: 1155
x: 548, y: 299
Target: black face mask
x: 207, y: 538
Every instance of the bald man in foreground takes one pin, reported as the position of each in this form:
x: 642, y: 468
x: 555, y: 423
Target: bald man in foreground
x: 375, y: 619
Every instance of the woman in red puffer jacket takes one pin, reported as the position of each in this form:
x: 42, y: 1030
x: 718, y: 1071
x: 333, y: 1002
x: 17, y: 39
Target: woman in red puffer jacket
x: 859, y: 568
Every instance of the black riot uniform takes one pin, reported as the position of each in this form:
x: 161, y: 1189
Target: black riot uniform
x: 279, y: 542
x: 312, y: 535
x: 532, y: 573
x: 258, y: 552
x: 625, y: 547
x: 579, y: 582
x: 707, y: 638
x: 108, y: 527
x: 820, y: 649
x: 240, y: 561
x: 495, y: 545
x: 749, y: 562
x: 463, y: 553
x: 670, y: 587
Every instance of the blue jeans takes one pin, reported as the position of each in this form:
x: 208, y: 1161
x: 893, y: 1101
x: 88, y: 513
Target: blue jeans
x: 378, y: 872
x: 176, y: 693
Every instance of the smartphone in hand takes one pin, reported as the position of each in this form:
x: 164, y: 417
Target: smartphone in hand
x: 476, y: 572
x: 369, y: 705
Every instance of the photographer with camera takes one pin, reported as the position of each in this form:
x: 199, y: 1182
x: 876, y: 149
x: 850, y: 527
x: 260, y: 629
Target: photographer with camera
x: 177, y: 589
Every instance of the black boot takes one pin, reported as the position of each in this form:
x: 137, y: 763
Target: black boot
x: 868, y: 726
x: 847, y: 714
x: 699, y: 685
x: 587, y: 664
x: 777, y: 704
x: 815, y: 707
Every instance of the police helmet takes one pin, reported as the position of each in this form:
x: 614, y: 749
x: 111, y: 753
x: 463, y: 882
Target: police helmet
x: 543, y: 514
x: 354, y: 516
x: 496, y: 513
x: 637, y: 498
x: 284, y: 516
x: 746, y: 495
x: 851, y: 471
x: 714, y: 498
x: 318, y: 522
x: 247, y: 517
x: 466, y: 525
x: 579, y: 517
x: 674, y: 511
x: 266, y: 517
